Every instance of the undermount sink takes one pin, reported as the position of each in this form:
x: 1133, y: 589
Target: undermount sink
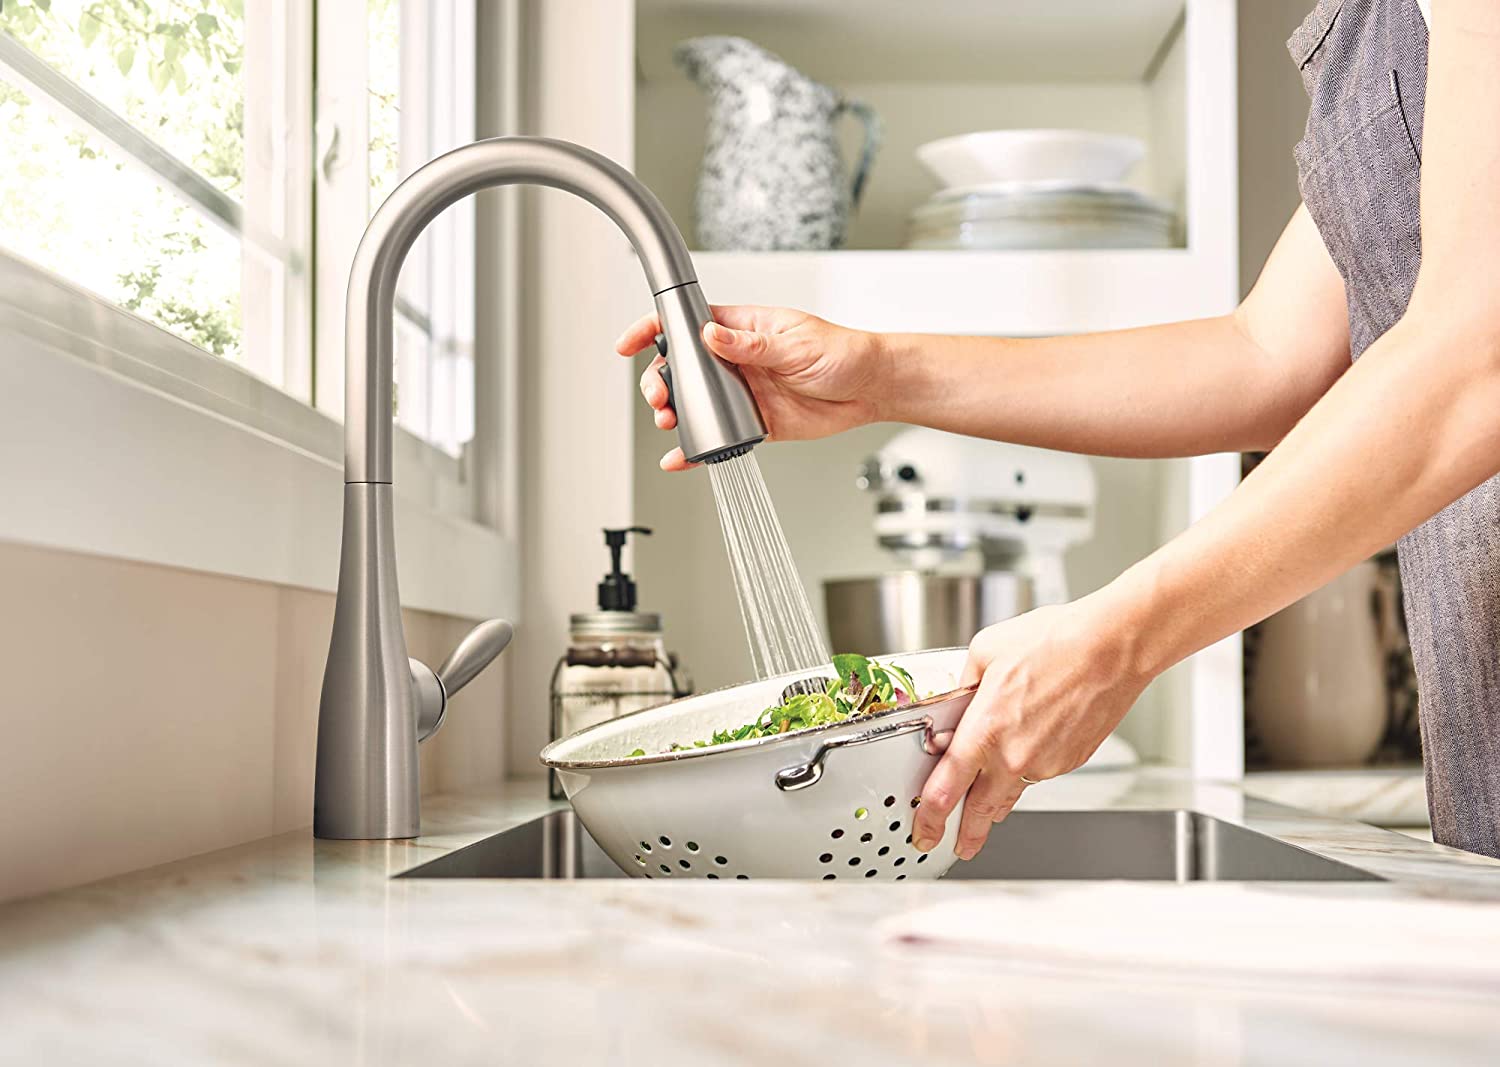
x: 1172, y: 846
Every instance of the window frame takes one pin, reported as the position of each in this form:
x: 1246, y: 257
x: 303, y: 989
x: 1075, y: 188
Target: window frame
x: 135, y: 375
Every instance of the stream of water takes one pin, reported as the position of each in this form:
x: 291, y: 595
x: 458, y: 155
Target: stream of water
x: 780, y: 626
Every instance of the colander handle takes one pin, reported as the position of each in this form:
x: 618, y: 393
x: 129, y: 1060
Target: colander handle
x: 805, y: 774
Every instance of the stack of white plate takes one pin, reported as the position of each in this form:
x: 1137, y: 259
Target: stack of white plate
x: 1036, y: 189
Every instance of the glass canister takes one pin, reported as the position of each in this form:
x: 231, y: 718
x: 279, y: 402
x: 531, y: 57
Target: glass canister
x: 616, y: 662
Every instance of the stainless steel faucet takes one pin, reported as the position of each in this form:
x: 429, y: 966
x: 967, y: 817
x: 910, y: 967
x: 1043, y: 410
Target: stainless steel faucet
x: 378, y: 703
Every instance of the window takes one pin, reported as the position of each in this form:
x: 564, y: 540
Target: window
x: 415, y: 115
x: 407, y: 96
x: 171, y: 157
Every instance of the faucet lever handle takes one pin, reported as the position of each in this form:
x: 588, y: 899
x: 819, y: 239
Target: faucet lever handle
x: 473, y: 654
x: 432, y: 689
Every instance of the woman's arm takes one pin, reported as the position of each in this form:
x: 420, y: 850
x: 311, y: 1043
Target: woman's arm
x: 1411, y: 427
x: 1239, y: 381
x: 1236, y: 383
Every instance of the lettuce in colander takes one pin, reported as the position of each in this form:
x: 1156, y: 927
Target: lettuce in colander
x: 862, y: 687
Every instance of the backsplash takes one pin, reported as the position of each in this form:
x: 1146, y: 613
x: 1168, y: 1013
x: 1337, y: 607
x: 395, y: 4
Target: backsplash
x: 157, y: 713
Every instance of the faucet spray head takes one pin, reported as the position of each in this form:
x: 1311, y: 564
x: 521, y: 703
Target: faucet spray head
x: 716, y: 414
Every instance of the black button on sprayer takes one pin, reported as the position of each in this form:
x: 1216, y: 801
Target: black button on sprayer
x: 666, y: 370
x: 617, y: 591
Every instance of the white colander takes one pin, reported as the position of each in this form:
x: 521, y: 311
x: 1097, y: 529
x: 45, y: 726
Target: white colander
x: 834, y: 802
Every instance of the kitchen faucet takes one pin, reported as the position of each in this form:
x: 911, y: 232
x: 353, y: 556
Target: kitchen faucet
x: 377, y: 704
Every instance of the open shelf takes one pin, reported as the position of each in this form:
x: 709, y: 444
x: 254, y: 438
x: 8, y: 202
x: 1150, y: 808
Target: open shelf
x: 936, y: 69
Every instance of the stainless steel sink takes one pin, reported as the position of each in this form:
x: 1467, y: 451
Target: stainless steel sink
x: 1171, y: 846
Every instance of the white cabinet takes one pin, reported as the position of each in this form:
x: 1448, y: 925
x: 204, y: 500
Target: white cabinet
x: 1161, y: 70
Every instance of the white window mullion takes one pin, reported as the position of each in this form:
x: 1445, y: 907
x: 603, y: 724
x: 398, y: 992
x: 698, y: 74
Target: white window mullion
x: 342, y: 183
x: 438, y: 114
x: 276, y: 292
x: 454, y: 122
x: 414, y: 289
x: 414, y: 83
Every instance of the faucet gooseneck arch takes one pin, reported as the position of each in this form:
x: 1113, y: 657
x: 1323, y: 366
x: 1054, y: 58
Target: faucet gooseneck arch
x: 377, y: 703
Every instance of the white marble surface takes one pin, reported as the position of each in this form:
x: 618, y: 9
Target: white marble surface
x: 1384, y: 796
x: 295, y: 951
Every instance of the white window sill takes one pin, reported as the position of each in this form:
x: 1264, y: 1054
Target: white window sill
x: 118, y: 439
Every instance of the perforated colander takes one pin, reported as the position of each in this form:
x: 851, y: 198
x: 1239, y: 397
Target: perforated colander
x: 834, y: 802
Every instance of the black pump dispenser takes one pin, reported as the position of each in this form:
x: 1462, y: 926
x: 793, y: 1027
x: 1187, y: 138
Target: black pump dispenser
x: 617, y: 591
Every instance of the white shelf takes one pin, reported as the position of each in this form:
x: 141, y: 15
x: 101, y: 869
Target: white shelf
x: 1011, y: 293
x: 1043, y: 41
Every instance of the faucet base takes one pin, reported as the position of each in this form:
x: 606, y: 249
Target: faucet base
x: 367, y: 784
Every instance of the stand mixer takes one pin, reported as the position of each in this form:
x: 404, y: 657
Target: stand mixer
x: 979, y: 530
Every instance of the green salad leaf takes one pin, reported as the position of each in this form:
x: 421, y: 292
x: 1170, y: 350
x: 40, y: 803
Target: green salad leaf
x: 851, y: 665
x: 844, y: 697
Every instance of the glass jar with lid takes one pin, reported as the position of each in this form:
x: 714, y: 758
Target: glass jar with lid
x: 616, y: 661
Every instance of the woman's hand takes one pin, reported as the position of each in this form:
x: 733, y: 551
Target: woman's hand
x: 810, y: 378
x: 1053, y: 683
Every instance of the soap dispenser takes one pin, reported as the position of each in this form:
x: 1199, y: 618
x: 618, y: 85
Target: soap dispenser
x: 616, y: 661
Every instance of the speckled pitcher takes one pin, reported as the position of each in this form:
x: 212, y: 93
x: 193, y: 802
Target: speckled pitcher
x: 772, y: 177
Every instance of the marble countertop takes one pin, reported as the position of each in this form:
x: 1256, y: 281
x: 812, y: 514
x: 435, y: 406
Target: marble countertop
x: 1384, y: 796
x: 291, y: 950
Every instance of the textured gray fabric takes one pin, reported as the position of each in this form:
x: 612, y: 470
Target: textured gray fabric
x: 1364, y: 63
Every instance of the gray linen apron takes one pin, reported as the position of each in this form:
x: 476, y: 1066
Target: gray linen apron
x: 1364, y: 63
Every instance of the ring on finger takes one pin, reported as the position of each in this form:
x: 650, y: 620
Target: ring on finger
x: 1032, y: 781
